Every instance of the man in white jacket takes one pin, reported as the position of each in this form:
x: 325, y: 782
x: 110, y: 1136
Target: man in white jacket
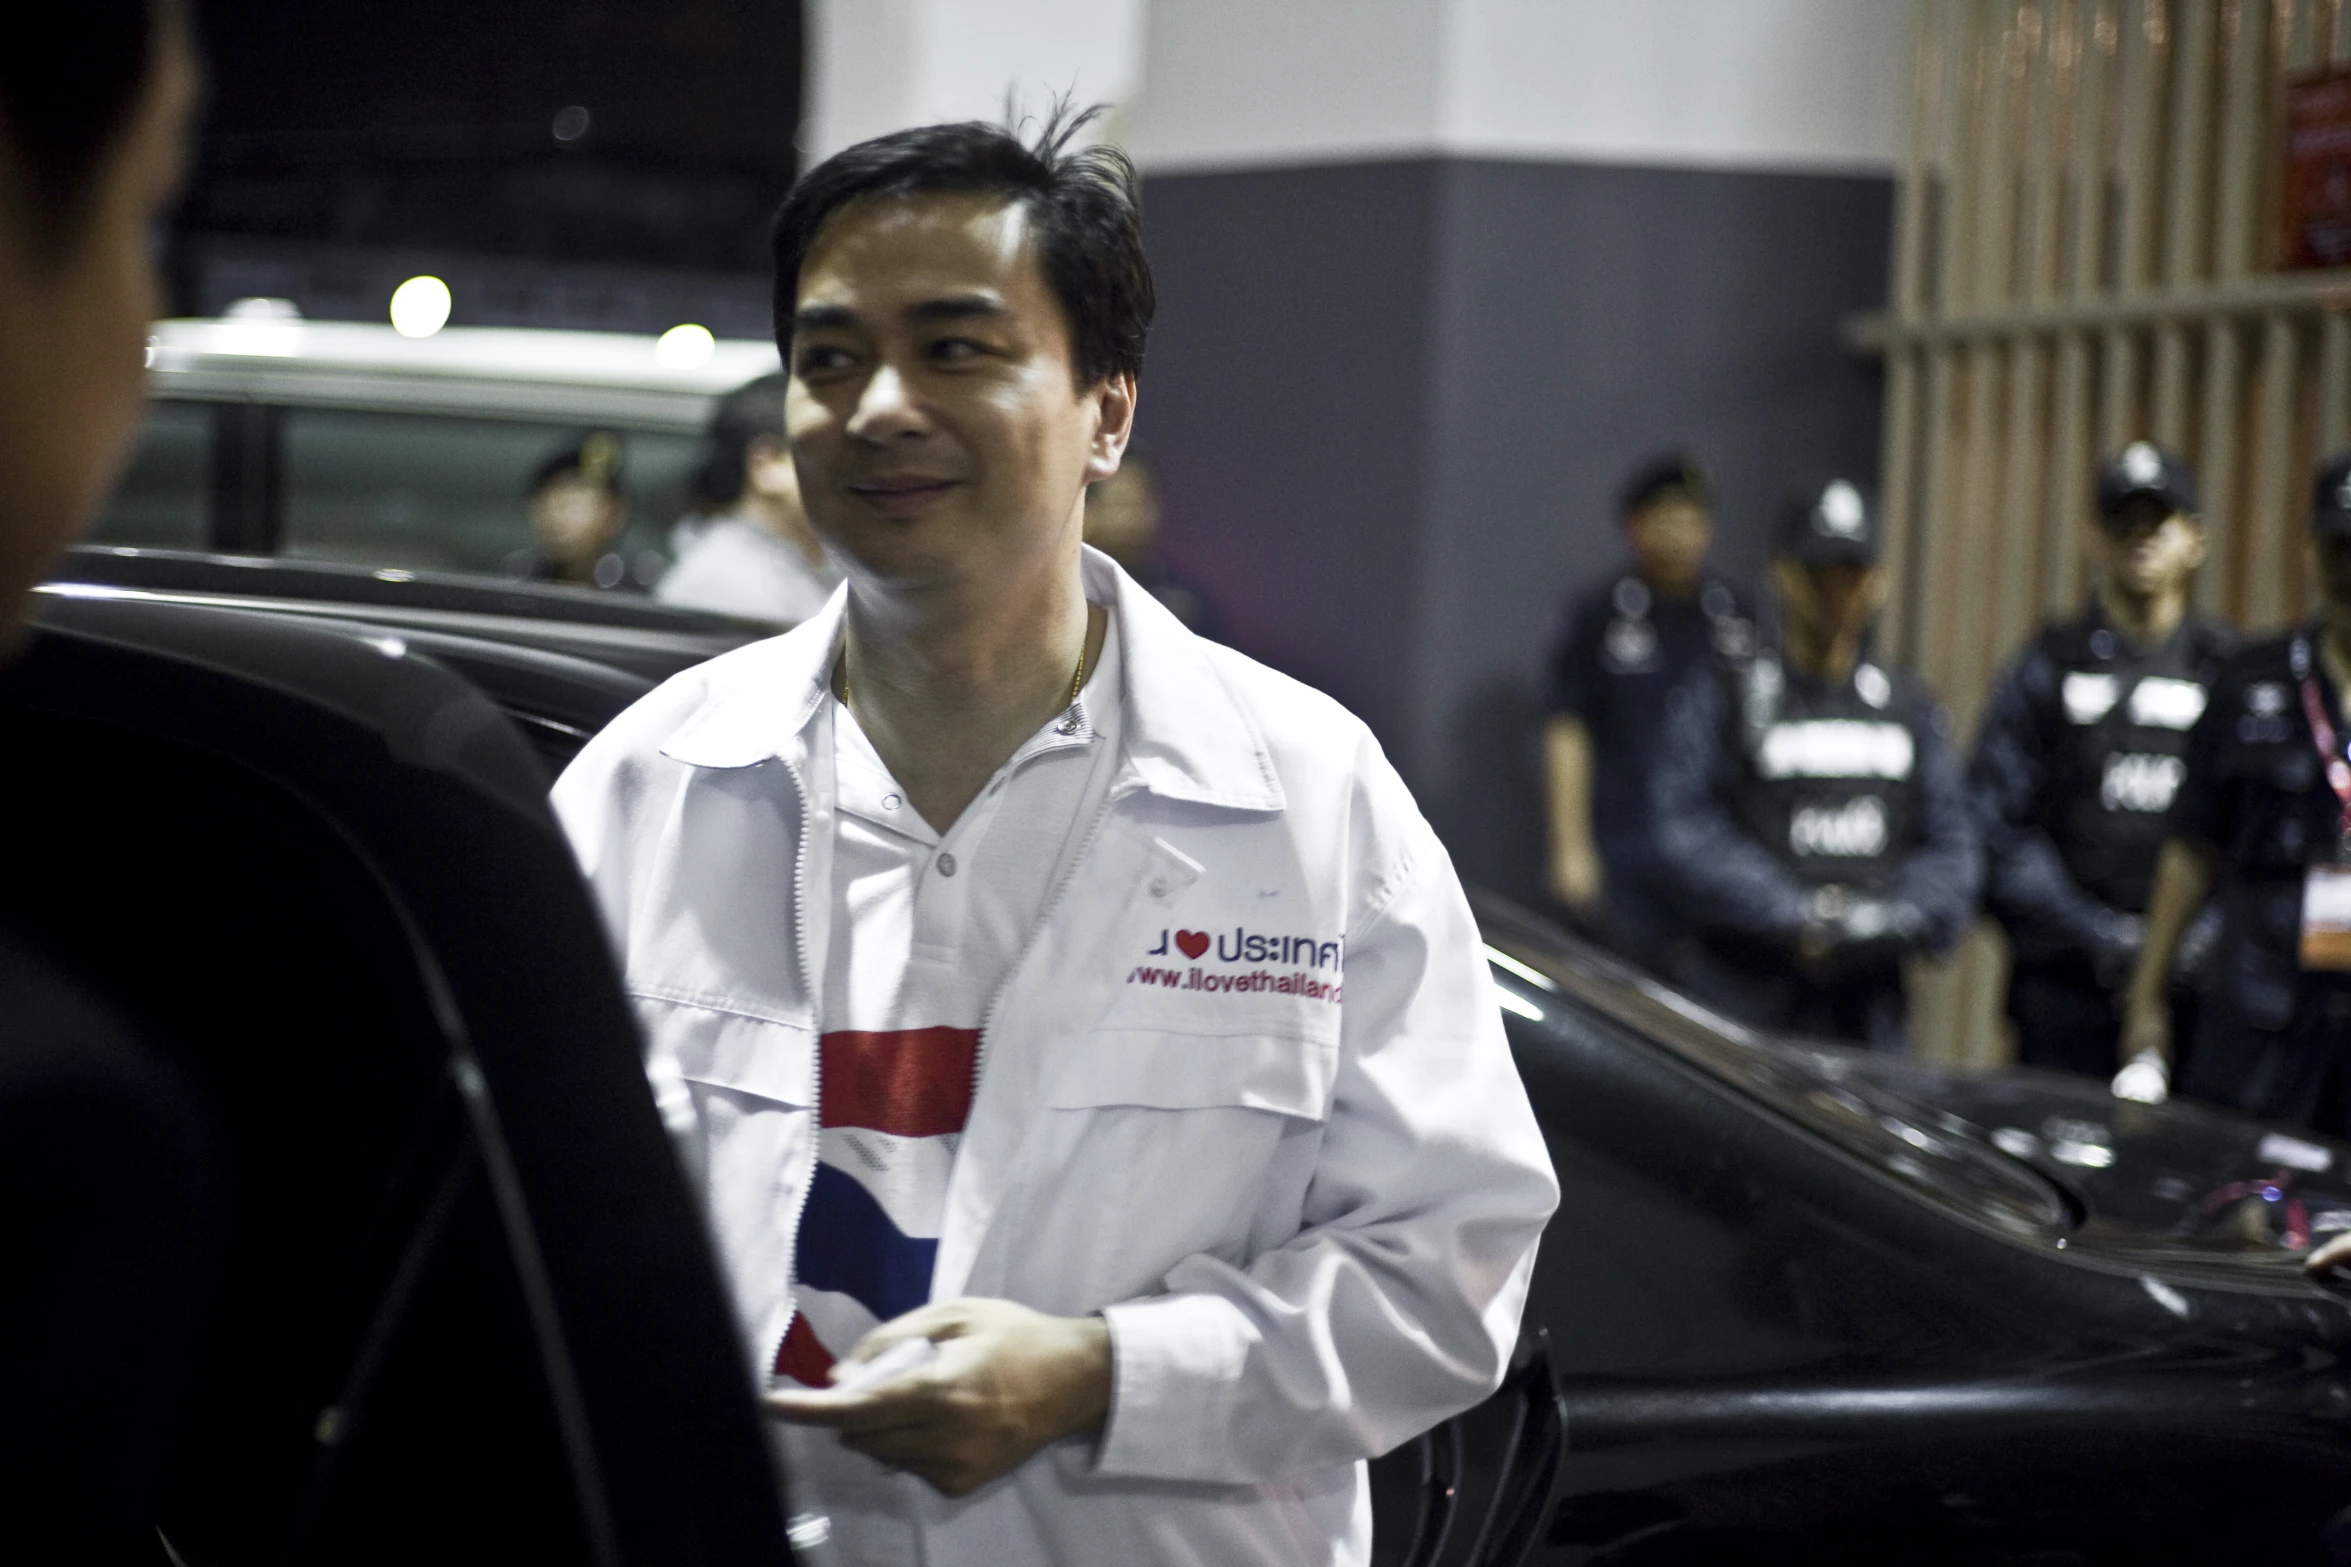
x: 1026, y: 977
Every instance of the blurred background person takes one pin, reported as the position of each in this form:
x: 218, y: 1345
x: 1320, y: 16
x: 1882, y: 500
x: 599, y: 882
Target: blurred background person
x: 1122, y: 521
x: 1628, y: 642
x: 110, y: 1192
x: 2080, y: 756
x: 1808, y: 807
x: 749, y: 550
x: 579, y: 508
x: 2262, y: 826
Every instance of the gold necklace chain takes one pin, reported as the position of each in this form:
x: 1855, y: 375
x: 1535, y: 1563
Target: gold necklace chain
x: 1076, y: 682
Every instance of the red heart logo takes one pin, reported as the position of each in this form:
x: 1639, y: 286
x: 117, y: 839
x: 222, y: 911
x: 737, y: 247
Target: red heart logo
x: 1194, y: 942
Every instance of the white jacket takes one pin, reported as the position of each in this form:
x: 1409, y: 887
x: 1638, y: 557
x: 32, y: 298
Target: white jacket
x: 1307, y: 1213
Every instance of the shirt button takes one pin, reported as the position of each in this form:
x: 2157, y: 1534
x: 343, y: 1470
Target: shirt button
x: 946, y: 864
x: 889, y: 802
x: 1158, y: 886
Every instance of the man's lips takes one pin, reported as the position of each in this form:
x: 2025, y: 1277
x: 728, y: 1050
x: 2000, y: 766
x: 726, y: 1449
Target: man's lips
x: 901, y: 494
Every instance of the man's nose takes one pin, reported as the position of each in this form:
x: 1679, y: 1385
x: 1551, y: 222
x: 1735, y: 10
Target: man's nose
x: 885, y: 407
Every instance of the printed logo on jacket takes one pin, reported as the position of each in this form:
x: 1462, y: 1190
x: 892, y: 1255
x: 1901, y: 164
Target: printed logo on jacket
x: 1312, y: 964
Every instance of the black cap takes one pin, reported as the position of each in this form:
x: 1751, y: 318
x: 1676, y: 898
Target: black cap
x: 2144, y: 468
x: 2330, y: 505
x: 595, y: 457
x: 1668, y: 473
x: 1833, y: 522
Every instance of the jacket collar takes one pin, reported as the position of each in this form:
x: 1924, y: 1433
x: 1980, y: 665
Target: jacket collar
x: 1188, y: 737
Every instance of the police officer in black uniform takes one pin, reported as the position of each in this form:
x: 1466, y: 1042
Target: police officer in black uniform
x: 1629, y: 642
x: 578, y: 500
x: 2263, y: 825
x: 1808, y: 806
x: 2082, y: 749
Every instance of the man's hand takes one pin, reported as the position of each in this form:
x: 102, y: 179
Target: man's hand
x: 1577, y: 880
x: 1006, y: 1381
x: 2333, y: 1254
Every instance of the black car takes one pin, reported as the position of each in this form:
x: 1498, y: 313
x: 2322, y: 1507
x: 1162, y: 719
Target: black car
x: 1799, y: 1304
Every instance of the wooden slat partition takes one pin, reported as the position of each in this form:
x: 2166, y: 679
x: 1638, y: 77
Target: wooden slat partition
x: 2084, y: 254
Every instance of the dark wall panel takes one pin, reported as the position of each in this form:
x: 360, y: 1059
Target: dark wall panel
x: 1285, y: 400
x: 1390, y: 403
x: 1592, y: 315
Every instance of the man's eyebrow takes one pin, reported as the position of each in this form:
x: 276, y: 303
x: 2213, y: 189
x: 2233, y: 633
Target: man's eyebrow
x: 817, y: 317
x: 958, y: 307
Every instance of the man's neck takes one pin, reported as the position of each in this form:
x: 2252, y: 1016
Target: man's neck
x: 947, y: 682
x: 2145, y: 618
x: 1670, y: 590
x: 1829, y: 660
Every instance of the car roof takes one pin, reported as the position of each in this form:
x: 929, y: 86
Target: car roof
x: 514, y: 372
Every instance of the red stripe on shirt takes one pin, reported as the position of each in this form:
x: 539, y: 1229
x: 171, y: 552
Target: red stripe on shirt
x: 802, y: 1355
x: 909, y: 1082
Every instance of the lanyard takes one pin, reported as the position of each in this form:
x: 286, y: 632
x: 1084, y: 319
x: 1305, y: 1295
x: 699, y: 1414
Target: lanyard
x: 2322, y: 731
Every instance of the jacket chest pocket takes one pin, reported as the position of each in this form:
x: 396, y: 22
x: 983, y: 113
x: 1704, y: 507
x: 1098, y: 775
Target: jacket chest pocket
x: 1168, y: 1145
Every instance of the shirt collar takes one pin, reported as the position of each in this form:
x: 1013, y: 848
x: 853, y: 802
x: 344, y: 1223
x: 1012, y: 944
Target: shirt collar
x: 1188, y: 737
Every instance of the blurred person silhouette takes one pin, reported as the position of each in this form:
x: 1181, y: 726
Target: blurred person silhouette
x: 1808, y: 806
x: 749, y: 550
x: 2262, y: 827
x: 579, y: 508
x: 1628, y: 642
x: 1122, y: 521
x: 109, y: 1192
x: 2079, y: 758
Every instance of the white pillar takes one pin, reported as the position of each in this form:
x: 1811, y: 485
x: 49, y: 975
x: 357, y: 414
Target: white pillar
x: 876, y: 66
x: 1770, y: 84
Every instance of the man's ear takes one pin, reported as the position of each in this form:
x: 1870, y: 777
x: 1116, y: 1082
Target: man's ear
x: 1114, y: 425
x: 2199, y: 540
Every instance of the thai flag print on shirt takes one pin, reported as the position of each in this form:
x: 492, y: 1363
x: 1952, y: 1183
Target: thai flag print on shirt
x: 891, y: 1106
x: 924, y: 926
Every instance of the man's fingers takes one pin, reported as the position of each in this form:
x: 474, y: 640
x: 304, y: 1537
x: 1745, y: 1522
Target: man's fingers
x: 906, y: 1401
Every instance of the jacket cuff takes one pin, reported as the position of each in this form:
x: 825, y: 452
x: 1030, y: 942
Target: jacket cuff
x: 1176, y: 1362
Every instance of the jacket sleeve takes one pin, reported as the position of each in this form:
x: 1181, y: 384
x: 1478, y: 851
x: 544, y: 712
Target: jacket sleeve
x: 1723, y: 879
x: 2027, y: 888
x: 1398, y: 1303
x: 1942, y: 876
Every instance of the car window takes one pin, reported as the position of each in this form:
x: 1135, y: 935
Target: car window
x: 439, y: 492
x: 164, y: 498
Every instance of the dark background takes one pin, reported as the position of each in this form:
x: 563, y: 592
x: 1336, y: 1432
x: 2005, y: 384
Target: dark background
x: 1389, y: 401
x: 349, y: 146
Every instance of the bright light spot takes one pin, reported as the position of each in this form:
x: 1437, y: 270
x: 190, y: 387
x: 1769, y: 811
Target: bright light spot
x: 2165, y: 1296
x: 420, y: 307
x: 1532, y: 976
x: 1511, y: 1003
x: 269, y: 327
x: 2089, y: 1156
x: 686, y: 347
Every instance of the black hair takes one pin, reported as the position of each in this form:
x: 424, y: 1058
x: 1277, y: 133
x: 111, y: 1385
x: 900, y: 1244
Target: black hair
x: 1086, y: 204
x: 741, y: 417
x: 71, y: 77
x: 1667, y: 473
x: 595, y: 456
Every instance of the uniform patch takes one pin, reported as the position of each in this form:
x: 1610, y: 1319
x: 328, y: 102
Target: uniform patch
x: 2162, y: 702
x: 1855, y: 830
x: 1836, y: 748
x: 2137, y: 782
x: 2089, y: 696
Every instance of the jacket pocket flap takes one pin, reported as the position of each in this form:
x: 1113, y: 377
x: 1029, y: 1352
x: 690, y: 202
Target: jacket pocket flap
x: 729, y: 1050
x: 1159, y: 1070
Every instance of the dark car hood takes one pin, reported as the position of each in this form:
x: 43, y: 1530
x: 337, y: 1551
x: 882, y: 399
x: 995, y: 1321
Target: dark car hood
x: 2048, y: 1158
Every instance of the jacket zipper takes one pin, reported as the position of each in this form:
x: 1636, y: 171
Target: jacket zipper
x: 815, y: 1063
